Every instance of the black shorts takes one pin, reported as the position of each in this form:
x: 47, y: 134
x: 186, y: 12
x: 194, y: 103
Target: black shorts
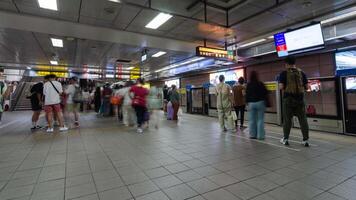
x: 35, y: 105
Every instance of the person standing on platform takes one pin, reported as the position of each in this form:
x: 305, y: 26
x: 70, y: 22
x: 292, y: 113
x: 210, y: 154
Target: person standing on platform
x: 174, y: 98
x: 72, y: 104
x: 139, y: 102
x: 52, y: 90
x: 256, y: 97
x: 3, y: 88
x: 239, y: 92
x: 294, y: 83
x: 106, y: 95
x: 165, y: 98
x: 97, y: 99
x: 155, y: 105
x: 36, y: 98
x: 128, y: 112
x: 224, y: 104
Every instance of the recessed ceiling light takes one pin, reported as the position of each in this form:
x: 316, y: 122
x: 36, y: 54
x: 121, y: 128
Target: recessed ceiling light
x: 48, y: 4
x: 158, y: 54
x: 57, y: 42
x: 53, y: 62
x: 160, y: 19
x: 116, y: 1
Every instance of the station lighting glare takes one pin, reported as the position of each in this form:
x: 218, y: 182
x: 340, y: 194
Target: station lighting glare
x: 130, y: 68
x: 158, y: 54
x: 48, y: 4
x: 28, y: 68
x: 53, y: 62
x: 57, y: 42
x: 271, y: 37
x: 340, y: 17
x: 116, y: 1
x: 160, y: 19
x: 252, y: 43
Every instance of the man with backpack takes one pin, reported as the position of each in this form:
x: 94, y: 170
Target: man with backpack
x: 293, y: 82
x: 74, y: 99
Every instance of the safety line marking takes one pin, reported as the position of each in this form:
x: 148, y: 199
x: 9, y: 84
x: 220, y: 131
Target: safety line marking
x: 263, y: 142
x: 9, y: 123
x: 294, y: 141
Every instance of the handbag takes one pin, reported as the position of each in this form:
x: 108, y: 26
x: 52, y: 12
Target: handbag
x: 234, y: 116
x: 116, y: 100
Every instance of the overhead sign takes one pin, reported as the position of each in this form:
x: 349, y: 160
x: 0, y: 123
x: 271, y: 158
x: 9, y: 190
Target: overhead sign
x: 271, y: 86
x: 44, y: 73
x: 135, y: 73
x: 214, y: 53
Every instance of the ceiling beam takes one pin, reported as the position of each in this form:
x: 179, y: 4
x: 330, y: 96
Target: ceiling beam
x: 70, y: 29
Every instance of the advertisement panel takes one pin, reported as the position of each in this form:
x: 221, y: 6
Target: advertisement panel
x: 232, y: 75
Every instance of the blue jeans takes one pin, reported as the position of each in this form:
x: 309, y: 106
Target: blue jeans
x: 257, y: 119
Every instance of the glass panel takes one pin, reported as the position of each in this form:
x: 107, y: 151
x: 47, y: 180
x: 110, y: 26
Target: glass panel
x: 197, y: 98
x: 321, y: 98
x: 273, y: 101
x: 213, y: 101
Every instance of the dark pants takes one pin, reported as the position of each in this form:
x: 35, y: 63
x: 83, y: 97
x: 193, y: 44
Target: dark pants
x: 293, y: 107
x: 140, y: 114
x: 241, y: 110
x: 175, y: 108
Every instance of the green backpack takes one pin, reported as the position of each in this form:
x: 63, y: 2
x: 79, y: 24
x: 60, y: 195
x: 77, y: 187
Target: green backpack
x: 294, y: 81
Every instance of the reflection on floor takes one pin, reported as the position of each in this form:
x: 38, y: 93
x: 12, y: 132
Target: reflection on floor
x: 188, y: 160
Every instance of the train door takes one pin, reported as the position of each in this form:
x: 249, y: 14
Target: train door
x: 349, y: 95
x: 197, y: 95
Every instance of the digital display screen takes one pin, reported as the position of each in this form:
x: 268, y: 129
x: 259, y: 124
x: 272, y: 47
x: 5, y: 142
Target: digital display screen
x: 350, y: 83
x: 314, y: 86
x: 169, y: 83
x: 297, y: 40
x: 345, y: 60
x: 233, y: 75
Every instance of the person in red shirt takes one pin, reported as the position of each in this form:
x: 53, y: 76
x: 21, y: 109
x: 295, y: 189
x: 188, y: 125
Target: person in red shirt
x: 139, y: 102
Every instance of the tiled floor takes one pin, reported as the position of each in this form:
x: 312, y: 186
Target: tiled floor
x: 189, y: 160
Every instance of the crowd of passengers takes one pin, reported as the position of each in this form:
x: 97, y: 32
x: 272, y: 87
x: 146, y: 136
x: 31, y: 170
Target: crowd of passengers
x: 133, y: 103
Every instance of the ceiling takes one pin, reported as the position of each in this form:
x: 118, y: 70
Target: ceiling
x: 247, y: 19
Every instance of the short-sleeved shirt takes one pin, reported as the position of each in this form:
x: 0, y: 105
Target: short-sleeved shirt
x: 282, y: 78
x: 140, y: 94
x: 52, y: 97
x: 36, y: 89
x: 174, y: 96
x: 239, y: 98
x: 70, y: 92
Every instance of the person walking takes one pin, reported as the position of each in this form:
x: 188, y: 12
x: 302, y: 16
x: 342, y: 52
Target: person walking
x: 97, y: 99
x: 224, y: 104
x: 139, y: 102
x: 155, y: 105
x: 239, y: 92
x: 165, y: 98
x: 256, y: 97
x: 3, y: 89
x: 106, y: 95
x: 36, y: 97
x: 52, y: 90
x: 73, y: 101
x: 293, y: 82
x: 128, y: 112
x: 174, y: 98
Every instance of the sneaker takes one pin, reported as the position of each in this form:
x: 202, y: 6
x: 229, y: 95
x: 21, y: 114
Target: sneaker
x: 39, y: 127
x: 63, y: 129
x: 305, y: 143
x: 33, y: 128
x: 49, y: 130
x: 139, y: 130
x: 284, y: 141
x: 76, y: 124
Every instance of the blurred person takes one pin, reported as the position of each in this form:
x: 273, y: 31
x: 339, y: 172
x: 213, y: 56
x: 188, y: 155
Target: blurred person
x: 86, y: 100
x: 97, y: 99
x: 256, y: 97
x: 139, y: 102
x: 155, y: 104
x: 117, y: 107
x: 73, y: 100
x: 52, y: 90
x: 239, y: 91
x: 174, y: 98
x: 105, y: 102
x: 224, y: 104
x: 165, y: 98
x: 128, y: 112
x: 293, y: 82
x: 3, y: 89
x: 36, y: 98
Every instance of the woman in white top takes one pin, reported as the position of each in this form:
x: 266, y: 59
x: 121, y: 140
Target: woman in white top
x: 128, y: 112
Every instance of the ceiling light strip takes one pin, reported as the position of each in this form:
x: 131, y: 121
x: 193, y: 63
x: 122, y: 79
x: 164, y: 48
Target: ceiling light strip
x: 48, y: 4
x: 252, y: 43
x: 160, y: 19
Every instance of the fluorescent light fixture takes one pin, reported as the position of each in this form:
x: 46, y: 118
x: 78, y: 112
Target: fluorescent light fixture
x: 252, y: 43
x: 180, y: 64
x: 57, y: 42
x: 48, y: 4
x: 271, y: 37
x: 116, y: 1
x: 130, y: 68
x: 340, y: 17
x: 160, y: 19
x: 53, y: 62
x: 28, y: 67
x: 158, y: 54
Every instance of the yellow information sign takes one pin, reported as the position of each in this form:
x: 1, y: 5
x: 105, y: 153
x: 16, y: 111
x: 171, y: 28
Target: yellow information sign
x: 271, y: 86
x: 135, y: 73
x: 58, y: 74
x: 182, y: 91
